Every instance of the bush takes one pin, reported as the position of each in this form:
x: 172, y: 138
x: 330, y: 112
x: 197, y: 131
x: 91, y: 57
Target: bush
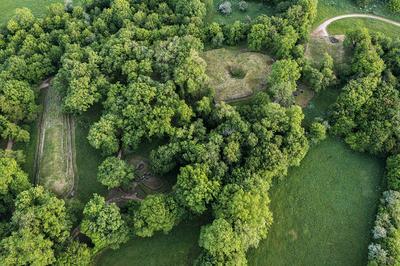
x: 114, y: 172
x: 225, y: 8
x: 243, y: 6
x: 317, y: 132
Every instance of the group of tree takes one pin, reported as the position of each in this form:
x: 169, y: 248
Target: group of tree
x: 366, y: 113
x: 140, y: 61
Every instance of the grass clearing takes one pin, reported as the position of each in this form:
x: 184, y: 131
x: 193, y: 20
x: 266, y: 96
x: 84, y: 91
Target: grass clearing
x: 179, y: 247
x: 38, y: 7
x: 55, y: 150
x: 255, y: 9
x: 88, y: 158
x: 324, y: 210
x: 236, y: 73
x: 331, y: 8
x: 373, y: 25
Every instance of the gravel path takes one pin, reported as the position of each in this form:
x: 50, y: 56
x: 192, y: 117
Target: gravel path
x: 321, y: 31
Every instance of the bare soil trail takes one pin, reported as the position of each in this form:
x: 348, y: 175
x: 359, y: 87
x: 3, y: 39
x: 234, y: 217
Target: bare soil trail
x: 321, y: 30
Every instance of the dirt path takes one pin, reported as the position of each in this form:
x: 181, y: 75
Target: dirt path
x: 321, y: 30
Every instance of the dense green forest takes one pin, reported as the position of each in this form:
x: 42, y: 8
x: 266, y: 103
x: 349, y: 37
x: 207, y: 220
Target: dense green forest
x: 134, y: 69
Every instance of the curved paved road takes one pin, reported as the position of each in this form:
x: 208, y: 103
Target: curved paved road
x: 321, y: 31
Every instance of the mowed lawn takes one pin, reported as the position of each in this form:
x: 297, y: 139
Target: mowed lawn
x: 38, y: 7
x: 179, y: 247
x: 87, y: 158
x: 342, y: 26
x: 324, y: 210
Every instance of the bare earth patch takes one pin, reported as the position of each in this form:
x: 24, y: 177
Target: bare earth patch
x: 235, y: 73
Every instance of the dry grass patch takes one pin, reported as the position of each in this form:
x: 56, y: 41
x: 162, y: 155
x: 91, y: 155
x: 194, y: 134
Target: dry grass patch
x: 236, y: 73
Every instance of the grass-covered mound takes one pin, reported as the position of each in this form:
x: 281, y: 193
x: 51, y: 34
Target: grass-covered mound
x: 56, y: 163
x: 236, y: 73
x: 324, y: 210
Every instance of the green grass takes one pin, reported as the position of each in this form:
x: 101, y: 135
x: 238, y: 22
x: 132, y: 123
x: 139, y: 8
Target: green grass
x: 324, y: 210
x: 256, y: 8
x: 55, y: 167
x: 179, y: 247
x: 342, y: 26
x: 87, y: 158
x: 319, y: 106
x: 331, y: 8
x: 38, y: 7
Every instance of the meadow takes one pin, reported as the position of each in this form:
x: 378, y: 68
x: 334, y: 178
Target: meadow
x: 323, y: 210
x: 341, y: 26
x: 38, y: 7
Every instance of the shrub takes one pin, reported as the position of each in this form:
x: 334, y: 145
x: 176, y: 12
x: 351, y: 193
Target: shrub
x: 114, y: 172
x: 317, y: 132
x: 243, y: 6
x: 225, y: 8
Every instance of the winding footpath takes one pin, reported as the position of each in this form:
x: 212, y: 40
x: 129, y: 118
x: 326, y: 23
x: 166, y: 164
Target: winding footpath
x: 321, y: 30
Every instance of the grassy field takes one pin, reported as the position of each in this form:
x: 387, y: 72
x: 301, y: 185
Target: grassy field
x: 55, y: 151
x: 255, y: 9
x: 7, y: 7
x: 87, y: 158
x: 324, y: 210
x: 179, y: 247
x: 341, y: 26
x: 331, y: 8
x: 236, y: 73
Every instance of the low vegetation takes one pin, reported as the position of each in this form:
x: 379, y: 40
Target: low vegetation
x: 55, y: 152
x: 235, y: 73
x: 158, y: 147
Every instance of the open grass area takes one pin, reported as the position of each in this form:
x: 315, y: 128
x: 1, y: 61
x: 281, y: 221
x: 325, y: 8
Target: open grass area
x: 38, y: 7
x: 318, y: 46
x: 179, y: 247
x: 87, y: 158
x: 255, y: 9
x: 55, y: 150
x: 331, y: 8
x: 342, y: 26
x: 323, y: 210
x: 236, y: 73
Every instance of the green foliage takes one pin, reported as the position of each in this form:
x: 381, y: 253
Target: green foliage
x: 13, y: 181
x: 393, y: 172
x: 195, y: 188
x: 102, y: 222
x: 385, y: 249
x: 317, y: 132
x: 394, y: 6
x: 282, y: 80
x: 156, y: 213
x: 76, y: 254
x: 43, y: 213
x: 26, y: 247
x: 365, y: 112
x: 114, y: 172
